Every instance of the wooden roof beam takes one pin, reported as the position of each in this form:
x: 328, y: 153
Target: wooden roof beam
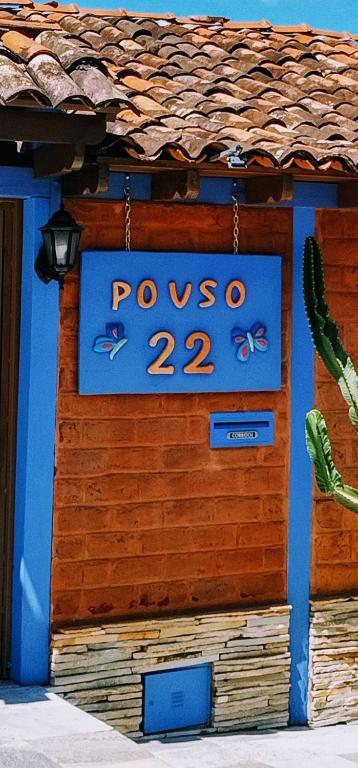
x: 50, y: 127
x: 129, y: 165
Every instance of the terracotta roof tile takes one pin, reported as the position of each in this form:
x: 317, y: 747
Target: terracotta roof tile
x: 48, y: 74
x: 133, y: 120
x: 66, y: 50
x: 22, y: 46
x: 16, y: 82
x: 19, y: 3
x: 186, y: 86
x: 5, y: 14
x: 148, y: 106
x: 98, y: 88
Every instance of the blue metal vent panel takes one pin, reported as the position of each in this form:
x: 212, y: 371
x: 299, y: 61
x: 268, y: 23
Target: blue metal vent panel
x: 241, y: 428
x: 177, y: 699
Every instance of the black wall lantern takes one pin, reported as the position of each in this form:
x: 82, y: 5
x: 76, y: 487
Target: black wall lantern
x: 61, y: 237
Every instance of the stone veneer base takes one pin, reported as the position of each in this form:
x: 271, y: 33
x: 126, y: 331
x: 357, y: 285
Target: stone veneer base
x: 333, y: 693
x: 100, y: 668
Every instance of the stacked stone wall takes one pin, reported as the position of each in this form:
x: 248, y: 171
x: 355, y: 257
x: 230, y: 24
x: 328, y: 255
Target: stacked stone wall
x: 101, y: 668
x: 333, y: 695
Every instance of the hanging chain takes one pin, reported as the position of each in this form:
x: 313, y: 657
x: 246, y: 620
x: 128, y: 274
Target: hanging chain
x: 235, y: 218
x: 127, y: 213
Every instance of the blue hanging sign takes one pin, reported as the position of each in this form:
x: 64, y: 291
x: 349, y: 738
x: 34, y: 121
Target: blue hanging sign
x: 179, y: 322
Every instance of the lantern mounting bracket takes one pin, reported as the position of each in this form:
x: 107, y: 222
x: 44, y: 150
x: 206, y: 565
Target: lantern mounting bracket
x: 41, y: 266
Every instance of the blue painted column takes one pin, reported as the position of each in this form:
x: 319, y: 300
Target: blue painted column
x: 308, y: 197
x: 35, y: 453
x: 299, y: 532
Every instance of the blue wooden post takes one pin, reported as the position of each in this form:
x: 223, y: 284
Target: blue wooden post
x: 308, y: 196
x: 35, y: 444
x: 299, y: 533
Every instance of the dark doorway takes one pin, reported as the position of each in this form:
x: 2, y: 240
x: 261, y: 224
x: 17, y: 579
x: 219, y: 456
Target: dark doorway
x: 10, y: 282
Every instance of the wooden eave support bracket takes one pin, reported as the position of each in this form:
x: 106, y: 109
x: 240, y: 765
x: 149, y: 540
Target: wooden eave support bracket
x: 51, y: 127
x: 92, y: 179
x: 348, y: 194
x: 269, y: 189
x: 176, y: 185
x: 57, y: 160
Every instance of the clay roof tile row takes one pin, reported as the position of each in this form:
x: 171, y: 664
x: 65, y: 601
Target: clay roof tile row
x: 186, y: 87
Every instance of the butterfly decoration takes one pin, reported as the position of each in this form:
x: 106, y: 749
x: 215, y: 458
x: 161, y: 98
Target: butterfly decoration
x: 249, y: 341
x: 112, y: 342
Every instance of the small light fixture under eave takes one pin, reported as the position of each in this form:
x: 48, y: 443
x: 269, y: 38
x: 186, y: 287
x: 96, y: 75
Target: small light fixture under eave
x: 57, y: 256
x: 235, y: 157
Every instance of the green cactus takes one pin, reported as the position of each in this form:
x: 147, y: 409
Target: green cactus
x: 325, y: 334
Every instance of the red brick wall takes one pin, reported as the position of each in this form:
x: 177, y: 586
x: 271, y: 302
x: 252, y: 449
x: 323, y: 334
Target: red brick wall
x: 335, y: 530
x: 151, y: 520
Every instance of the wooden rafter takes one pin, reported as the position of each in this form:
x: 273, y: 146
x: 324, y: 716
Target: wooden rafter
x: 50, y: 127
x: 90, y: 180
x: 176, y: 185
x: 348, y: 194
x: 272, y: 189
x: 55, y: 161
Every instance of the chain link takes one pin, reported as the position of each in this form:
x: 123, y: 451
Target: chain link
x: 127, y: 213
x: 127, y: 222
x: 235, y: 218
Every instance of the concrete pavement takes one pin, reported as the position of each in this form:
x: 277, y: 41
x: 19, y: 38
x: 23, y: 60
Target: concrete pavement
x: 330, y: 747
x: 40, y: 730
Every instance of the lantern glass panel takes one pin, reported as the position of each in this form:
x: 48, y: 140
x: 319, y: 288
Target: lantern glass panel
x: 62, y: 239
x: 75, y: 241
x: 49, y: 245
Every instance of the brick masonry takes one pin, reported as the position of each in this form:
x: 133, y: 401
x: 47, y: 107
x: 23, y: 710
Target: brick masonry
x: 335, y: 529
x: 100, y: 668
x: 150, y: 521
x: 333, y: 694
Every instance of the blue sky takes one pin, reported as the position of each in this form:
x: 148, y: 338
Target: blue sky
x: 327, y: 14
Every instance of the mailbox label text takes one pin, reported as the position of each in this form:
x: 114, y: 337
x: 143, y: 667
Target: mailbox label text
x: 244, y: 435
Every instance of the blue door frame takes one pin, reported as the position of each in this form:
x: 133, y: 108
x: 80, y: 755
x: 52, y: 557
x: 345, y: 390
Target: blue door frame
x: 35, y: 435
x: 37, y: 420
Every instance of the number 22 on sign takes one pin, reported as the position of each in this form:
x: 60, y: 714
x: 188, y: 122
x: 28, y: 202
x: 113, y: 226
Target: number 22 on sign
x: 198, y: 339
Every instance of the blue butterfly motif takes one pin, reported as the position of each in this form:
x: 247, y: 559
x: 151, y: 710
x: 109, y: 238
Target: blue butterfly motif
x: 249, y: 341
x: 112, y: 342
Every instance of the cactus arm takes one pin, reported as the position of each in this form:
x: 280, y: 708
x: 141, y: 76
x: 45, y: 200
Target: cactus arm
x: 328, y: 478
x: 320, y: 451
x: 324, y: 330
x: 328, y: 344
x: 348, y: 384
x: 347, y: 497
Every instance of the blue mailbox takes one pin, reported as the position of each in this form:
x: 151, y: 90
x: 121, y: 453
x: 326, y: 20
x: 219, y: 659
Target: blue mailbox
x: 241, y: 428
